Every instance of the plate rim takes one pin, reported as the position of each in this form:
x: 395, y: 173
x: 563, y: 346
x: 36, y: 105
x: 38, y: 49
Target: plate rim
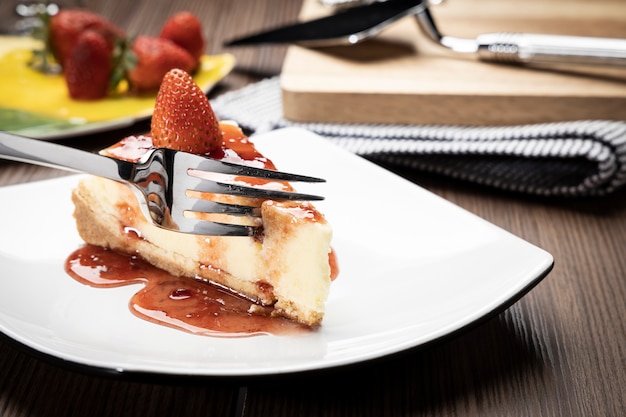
x: 155, y: 376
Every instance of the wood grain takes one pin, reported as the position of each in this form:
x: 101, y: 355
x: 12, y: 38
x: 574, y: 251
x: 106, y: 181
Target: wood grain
x: 402, y: 77
x: 559, y: 351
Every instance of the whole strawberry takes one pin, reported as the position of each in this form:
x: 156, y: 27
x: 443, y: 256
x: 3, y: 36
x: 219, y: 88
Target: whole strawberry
x: 66, y: 26
x: 183, y: 118
x: 154, y: 58
x: 185, y: 30
x: 88, y: 68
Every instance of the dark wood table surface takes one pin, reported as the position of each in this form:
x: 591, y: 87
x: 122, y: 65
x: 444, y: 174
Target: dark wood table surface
x: 559, y: 351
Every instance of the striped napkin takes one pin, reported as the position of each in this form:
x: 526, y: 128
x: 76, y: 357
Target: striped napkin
x: 574, y: 159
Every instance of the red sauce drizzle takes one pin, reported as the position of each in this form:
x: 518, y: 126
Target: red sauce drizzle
x: 334, y: 264
x: 186, y: 304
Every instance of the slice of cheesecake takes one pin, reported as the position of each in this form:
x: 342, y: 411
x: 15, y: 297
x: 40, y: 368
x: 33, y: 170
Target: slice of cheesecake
x: 288, y: 266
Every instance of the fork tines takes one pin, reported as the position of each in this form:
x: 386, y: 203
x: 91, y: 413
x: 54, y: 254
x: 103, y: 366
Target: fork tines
x: 214, y: 228
x: 213, y: 165
x: 219, y: 177
x: 211, y: 184
x: 217, y: 187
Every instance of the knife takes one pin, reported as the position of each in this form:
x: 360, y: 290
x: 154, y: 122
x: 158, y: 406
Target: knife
x: 355, y: 24
x: 347, y: 26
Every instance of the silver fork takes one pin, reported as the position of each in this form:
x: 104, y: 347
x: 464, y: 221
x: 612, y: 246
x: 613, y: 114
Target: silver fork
x: 164, y: 181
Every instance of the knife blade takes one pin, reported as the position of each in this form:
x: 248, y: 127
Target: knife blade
x: 347, y: 26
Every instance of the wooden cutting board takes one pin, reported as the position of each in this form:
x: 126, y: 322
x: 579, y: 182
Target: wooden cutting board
x: 403, y: 77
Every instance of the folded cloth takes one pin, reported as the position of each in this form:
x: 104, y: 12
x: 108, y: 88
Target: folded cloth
x: 577, y: 158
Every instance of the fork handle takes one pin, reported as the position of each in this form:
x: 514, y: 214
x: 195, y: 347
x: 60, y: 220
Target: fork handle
x: 33, y: 151
x: 547, y: 49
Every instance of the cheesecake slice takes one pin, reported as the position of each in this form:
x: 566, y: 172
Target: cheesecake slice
x: 288, y: 266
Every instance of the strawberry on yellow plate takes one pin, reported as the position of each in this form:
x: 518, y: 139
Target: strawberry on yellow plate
x: 38, y: 105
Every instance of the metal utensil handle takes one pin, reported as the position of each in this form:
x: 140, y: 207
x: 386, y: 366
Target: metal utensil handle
x: 548, y: 49
x: 49, y: 154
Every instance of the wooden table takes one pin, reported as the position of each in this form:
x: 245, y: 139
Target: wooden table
x: 559, y: 351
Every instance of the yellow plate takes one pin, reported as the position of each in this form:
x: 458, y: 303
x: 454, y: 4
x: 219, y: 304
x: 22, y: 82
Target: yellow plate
x: 38, y: 105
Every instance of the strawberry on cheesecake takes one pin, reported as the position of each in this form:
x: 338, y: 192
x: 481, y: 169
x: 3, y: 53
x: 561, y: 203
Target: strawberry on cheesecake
x: 288, y: 266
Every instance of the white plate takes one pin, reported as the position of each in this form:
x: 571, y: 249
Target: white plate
x: 414, y: 268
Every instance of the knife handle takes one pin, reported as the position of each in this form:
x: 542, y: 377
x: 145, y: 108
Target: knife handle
x: 528, y: 48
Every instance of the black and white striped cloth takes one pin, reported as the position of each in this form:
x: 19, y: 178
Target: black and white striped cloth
x: 578, y: 158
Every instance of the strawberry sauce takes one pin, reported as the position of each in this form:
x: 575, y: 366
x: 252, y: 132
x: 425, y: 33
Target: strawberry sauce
x: 186, y: 304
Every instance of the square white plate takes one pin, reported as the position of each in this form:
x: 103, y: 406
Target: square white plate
x: 413, y: 268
